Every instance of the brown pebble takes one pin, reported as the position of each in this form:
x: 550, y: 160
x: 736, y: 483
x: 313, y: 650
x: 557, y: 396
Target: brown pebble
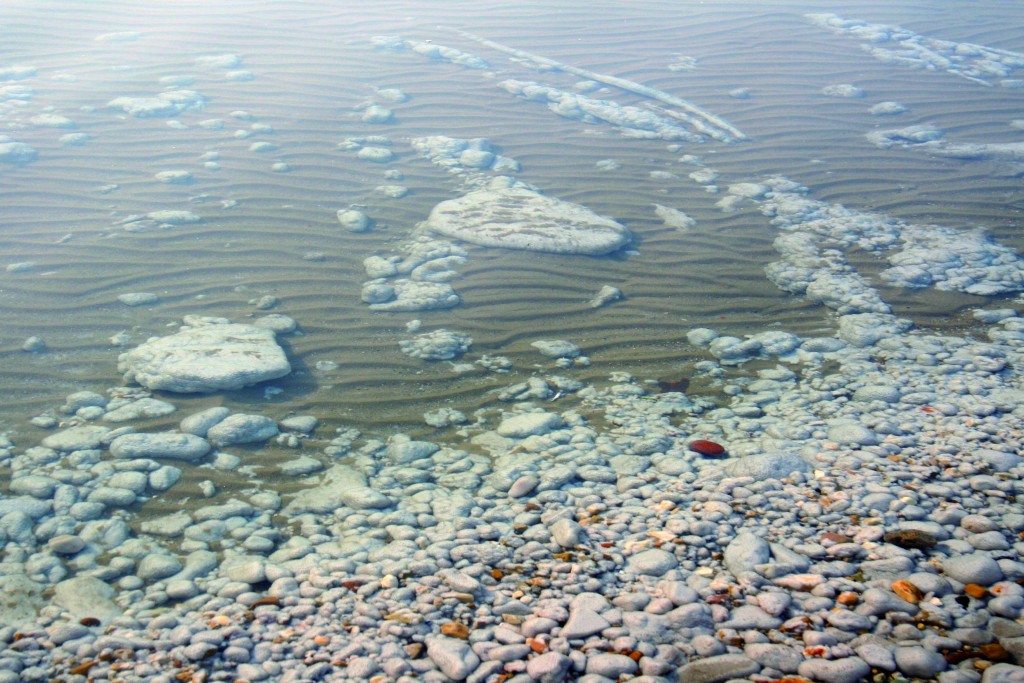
x: 414, y: 650
x: 497, y: 574
x: 455, y: 630
x: 975, y: 591
x: 995, y: 652
x: 538, y: 646
x: 907, y: 591
x: 848, y: 598
x: 91, y: 622
x: 83, y: 668
x: 268, y: 600
x: 911, y: 539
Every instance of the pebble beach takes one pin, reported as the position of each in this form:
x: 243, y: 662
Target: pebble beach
x: 465, y: 417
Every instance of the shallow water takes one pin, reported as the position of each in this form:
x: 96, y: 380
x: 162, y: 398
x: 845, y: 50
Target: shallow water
x: 313, y: 64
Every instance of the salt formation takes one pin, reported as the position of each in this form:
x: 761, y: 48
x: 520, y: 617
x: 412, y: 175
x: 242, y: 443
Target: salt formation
x: 431, y: 51
x: 897, y: 45
x: 674, y: 218
x: 932, y: 140
x: 510, y: 215
x: 631, y: 121
x: 887, y: 109
x: 158, y: 220
x: 469, y: 158
x: 168, y: 103
x: 702, y: 121
x: 968, y: 261
x: 205, y: 357
x: 436, y: 345
x: 14, y: 152
x: 842, y: 90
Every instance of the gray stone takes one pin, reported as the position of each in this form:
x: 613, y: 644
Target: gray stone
x: 341, y: 485
x: 65, y: 544
x: 977, y: 568
x: 845, y: 670
x: 453, y: 657
x: 303, y: 424
x: 549, y: 667
x: 610, y: 665
x: 80, y: 438
x: 163, y: 478
x: 565, y: 532
x: 653, y: 562
x: 86, y: 596
x: 206, y: 358
x: 169, y: 445
x: 717, y: 669
x: 529, y: 424
x: 919, y: 662
x: 767, y: 466
x: 779, y: 657
x: 851, y: 432
x: 35, y: 485
x: 242, y: 428
x: 745, y: 552
x: 583, y: 622
x: 747, y: 617
x: 200, y: 423
x: 19, y: 600
x: 877, y: 392
x: 154, y: 567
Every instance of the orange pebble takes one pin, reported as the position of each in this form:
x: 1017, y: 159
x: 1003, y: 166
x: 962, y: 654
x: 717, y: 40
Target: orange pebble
x: 975, y: 591
x: 321, y: 640
x: 536, y: 645
x: 848, y: 598
x: 907, y: 591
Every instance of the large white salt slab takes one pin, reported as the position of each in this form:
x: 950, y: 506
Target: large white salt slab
x: 206, y: 358
x: 519, y: 218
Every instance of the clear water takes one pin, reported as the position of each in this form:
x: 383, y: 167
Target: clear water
x: 313, y: 66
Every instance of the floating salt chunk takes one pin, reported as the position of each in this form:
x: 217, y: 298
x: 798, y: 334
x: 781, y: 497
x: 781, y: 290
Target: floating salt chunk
x: 118, y: 37
x: 842, y: 90
x: 210, y: 357
x: 391, y: 95
x: 377, y: 114
x: 222, y: 61
x: 887, y: 109
x: 17, y: 72
x: 605, y: 296
x: 354, y: 220
x: 50, y: 120
x: 379, y: 155
x: 13, y: 152
x: 74, y: 139
x: 168, y: 103
x: 436, y: 345
x: 177, y: 177
x: 519, y: 218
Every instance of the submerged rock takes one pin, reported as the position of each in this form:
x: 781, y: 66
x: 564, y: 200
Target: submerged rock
x: 519, y: 218
x: 206, y: 358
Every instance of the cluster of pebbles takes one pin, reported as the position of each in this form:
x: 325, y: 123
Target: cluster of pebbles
x: 862, y: 524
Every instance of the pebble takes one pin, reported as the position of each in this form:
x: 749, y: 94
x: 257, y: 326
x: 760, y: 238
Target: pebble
x: 717, y: 669
x: 977, y: 568
x: 453, y: 657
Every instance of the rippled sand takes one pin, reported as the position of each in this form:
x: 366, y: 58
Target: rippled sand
x: 313, y: 65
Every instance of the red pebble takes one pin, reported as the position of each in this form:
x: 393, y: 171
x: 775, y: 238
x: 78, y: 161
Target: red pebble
x: 707, y: 448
